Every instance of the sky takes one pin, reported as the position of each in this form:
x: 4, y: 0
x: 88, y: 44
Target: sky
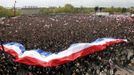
x: 76, y: 3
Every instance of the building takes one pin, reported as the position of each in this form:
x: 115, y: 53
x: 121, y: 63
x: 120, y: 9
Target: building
x: 30, y: 11
x: 102, y: 14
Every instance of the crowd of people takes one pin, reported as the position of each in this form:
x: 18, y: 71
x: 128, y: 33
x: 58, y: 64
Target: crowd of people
x: 57, y: 32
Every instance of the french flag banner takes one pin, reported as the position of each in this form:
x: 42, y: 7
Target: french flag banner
x: 43, y: 58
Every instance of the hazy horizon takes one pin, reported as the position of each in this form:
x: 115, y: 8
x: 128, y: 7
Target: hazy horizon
x: 78, y: 3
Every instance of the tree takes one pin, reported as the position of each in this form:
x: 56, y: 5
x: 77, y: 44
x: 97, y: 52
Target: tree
x: 100, y: 9
x: 124, y: 10
x: 131, y: 9
x: 68, y: 8
x: 7, y: 12
x: 96, y: 8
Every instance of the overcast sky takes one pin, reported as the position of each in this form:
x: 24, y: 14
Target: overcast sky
x: 77, y: 3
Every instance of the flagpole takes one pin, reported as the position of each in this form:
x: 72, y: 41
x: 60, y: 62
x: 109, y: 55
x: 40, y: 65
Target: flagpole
x: 1, y: 44
x: 3, y: 51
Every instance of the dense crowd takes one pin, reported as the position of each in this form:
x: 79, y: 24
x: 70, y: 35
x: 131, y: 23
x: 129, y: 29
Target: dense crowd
x: 57, y: 32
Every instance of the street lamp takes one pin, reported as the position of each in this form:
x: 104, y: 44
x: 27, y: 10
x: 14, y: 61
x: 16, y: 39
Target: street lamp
x: 15, y: 8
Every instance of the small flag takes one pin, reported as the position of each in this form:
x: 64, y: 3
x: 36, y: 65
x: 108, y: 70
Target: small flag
x: 43, y: 58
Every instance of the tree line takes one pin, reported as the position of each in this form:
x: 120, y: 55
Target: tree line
x: 5, y: 12
x: 68, y: 8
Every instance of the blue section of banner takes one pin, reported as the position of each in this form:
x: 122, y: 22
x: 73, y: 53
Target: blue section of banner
x: 45, y: 53
x: 21, y: 47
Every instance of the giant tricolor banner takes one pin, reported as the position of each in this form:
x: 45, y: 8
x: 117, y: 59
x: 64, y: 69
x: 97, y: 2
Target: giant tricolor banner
x: 43, y: 58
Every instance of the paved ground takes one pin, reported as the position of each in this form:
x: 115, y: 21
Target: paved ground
x: 125, y: 71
